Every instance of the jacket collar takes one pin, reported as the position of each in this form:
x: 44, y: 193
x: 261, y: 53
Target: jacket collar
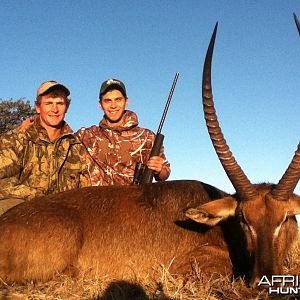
x: 39, y: 133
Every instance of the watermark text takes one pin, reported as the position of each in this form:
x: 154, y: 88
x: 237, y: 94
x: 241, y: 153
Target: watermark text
x: 281, y: 284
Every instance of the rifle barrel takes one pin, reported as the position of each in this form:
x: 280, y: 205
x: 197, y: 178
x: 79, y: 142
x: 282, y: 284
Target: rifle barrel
x: 297, y: 22
x: 168, y: 103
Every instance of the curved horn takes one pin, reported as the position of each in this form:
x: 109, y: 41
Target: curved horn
x: 239, y: 180
x: 297, y: 22
x: 289, y: 180
x: 286, y: 185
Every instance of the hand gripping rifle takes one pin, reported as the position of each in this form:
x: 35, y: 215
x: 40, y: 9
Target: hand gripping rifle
x: 142, y: 174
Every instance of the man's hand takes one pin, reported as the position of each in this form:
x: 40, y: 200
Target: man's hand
x: 155, y: 163
x: 161, y: 171
x: 26, y: 123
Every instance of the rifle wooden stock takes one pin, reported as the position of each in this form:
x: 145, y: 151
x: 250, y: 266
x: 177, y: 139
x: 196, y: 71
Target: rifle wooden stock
x: 155, y: 151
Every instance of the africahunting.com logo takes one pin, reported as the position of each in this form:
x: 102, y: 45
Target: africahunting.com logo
x: 281, y: 284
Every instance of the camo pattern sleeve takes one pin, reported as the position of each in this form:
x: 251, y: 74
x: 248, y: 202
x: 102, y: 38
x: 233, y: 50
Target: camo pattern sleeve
x: 31, y: 165
x: 10, y: 147
x: 11, y: 153
x: 115, y: 152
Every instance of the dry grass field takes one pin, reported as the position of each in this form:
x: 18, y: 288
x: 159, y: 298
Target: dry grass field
x: 167, y: 287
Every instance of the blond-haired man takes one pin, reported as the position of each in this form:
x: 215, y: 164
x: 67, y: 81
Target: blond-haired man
x: 43, y: 158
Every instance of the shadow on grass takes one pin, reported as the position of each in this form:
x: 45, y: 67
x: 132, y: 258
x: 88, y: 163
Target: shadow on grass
x: 124, y: 290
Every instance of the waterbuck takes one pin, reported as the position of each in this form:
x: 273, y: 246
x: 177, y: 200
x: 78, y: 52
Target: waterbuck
x: 265, y: 212
x: 123, y: 231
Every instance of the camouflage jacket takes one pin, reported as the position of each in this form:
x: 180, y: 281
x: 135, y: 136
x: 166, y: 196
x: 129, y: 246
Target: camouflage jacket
x: 115, y: 152
x: 31, y: 165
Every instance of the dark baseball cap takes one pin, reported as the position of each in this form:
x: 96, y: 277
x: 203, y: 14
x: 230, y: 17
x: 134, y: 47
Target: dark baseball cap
x: 110, y: 84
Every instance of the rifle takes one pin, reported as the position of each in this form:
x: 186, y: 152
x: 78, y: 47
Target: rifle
x: 297, y: 22
x: 142, y: 174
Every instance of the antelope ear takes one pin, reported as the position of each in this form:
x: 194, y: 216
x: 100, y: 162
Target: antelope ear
x: 294, y: 205
x: 213, y: 212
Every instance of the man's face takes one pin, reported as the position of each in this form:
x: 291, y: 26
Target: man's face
x: 113, y: 104
x: 52, y: 109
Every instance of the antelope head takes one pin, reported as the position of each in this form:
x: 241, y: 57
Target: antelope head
x: 265, y: 212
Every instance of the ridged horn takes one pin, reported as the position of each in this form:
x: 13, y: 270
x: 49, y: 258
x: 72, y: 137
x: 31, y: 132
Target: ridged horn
x: 297, y: 23
x: 242, y: 185
x: 287, y: 184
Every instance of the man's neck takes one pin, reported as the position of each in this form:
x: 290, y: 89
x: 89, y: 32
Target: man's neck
x: 53, y: 133
x: 114, y: 125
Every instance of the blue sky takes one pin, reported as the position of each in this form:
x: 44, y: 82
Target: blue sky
x: 144, y: 43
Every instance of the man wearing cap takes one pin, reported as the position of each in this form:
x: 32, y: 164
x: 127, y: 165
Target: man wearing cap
x: 118, y: 143
x: 43, y: 158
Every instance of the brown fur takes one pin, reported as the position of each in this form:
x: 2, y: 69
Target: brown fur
x: 115, y: 231
x: 269, y: 226
x: 123, y: 232
x: 266, y: 215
